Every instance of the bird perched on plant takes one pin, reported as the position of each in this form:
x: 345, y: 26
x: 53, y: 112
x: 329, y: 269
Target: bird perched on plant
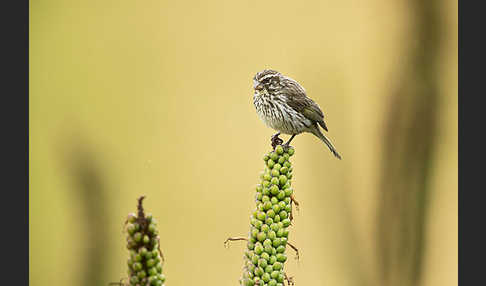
x: 282, y: 104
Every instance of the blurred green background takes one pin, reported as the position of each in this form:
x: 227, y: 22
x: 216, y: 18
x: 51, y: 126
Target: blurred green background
x: 154, y: 97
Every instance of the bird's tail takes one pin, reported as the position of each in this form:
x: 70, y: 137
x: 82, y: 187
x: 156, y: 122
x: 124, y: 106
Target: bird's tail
x: 316, y: 131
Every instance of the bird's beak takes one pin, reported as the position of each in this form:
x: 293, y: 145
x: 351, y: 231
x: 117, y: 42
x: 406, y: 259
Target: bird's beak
x: 259, y: 87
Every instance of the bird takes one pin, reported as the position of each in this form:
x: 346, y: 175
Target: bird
x: 282, y: 104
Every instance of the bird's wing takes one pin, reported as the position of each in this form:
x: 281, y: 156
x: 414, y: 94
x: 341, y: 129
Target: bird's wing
x: 299, y: 101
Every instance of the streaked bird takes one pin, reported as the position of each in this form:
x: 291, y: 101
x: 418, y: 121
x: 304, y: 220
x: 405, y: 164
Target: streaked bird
x: 283, y: 105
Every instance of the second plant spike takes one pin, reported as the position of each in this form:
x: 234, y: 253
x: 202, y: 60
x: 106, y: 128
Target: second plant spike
x: 145, y: 260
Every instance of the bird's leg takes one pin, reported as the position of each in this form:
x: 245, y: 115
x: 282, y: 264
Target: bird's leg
x: 275, y: 136
x: 276, y: 141
x: 287, y: 144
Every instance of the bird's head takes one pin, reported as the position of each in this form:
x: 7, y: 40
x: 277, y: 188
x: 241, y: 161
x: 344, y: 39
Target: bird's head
x: 267, y: 81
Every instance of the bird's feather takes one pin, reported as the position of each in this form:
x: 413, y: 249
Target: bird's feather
x: 298, y: 100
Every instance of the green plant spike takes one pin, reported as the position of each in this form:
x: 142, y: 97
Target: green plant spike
x: 145, y: 258
x: 265, y: 255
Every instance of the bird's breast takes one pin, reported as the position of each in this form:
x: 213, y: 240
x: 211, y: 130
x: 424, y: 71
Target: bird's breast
x: 278, y: 115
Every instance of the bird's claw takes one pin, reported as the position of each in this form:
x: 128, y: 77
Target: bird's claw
x: 276, y: 141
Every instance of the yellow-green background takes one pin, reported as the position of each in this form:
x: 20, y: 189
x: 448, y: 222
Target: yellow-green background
x: 158, y: 94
